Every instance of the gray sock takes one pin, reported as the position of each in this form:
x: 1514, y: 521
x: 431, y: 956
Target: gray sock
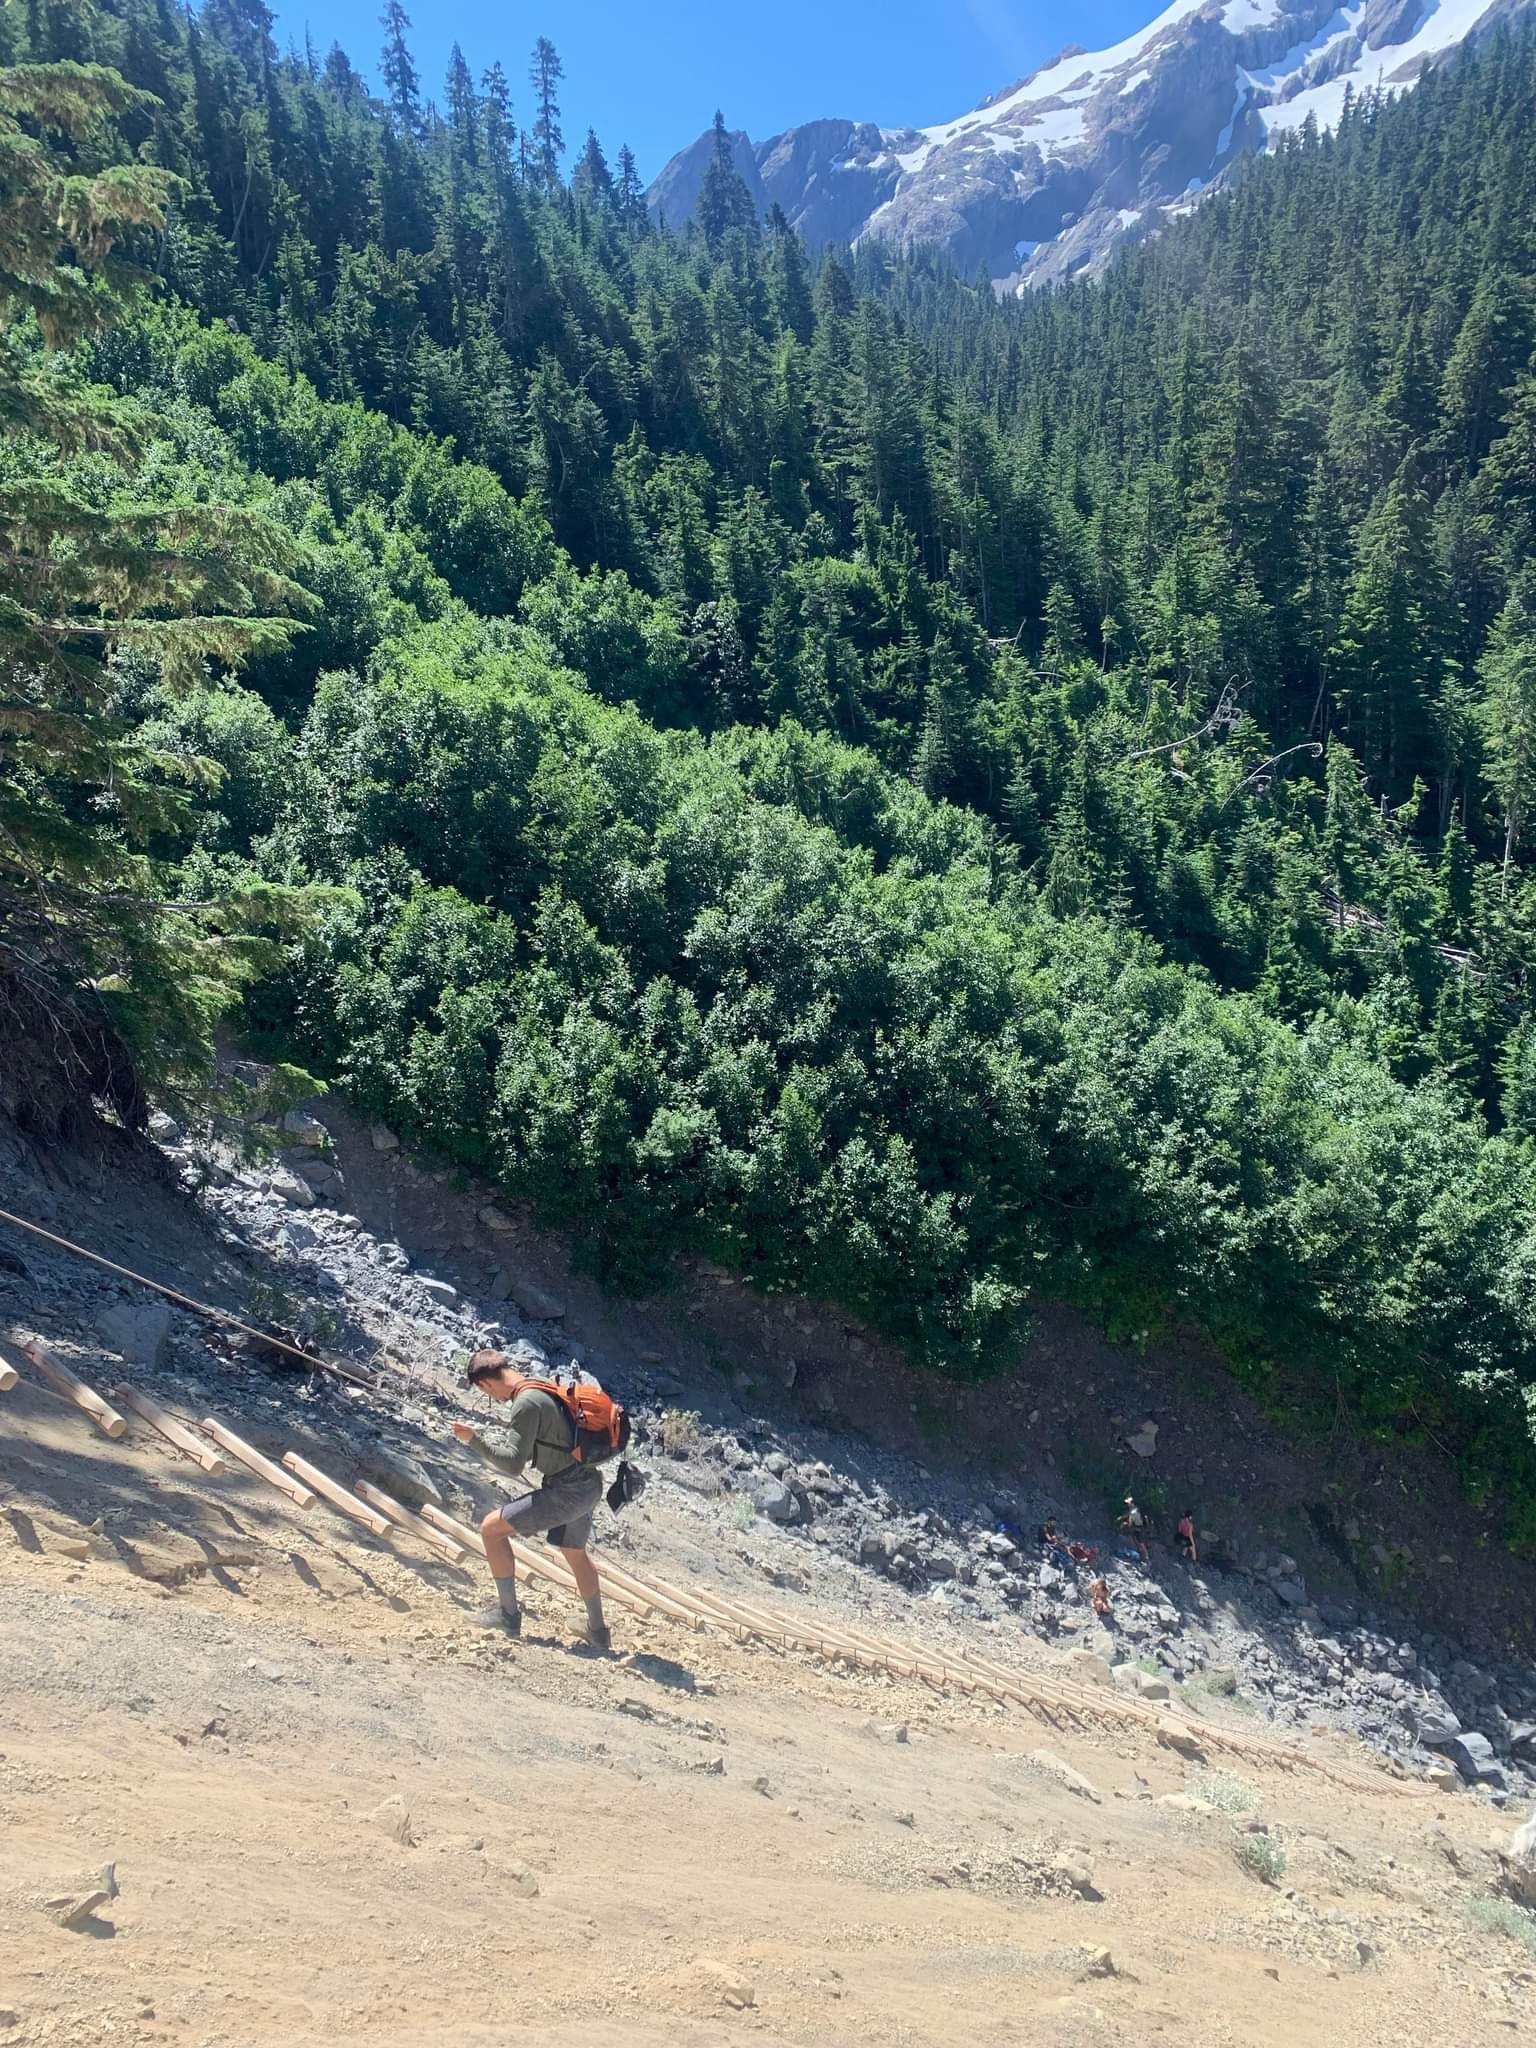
x: 597, y: 1628
x: 506, y: 1593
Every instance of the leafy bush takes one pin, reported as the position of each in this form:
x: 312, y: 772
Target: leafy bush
x: 679, y: 1430
x: 1259, y: 1856
x: 594, y: 963
x: 1503, y: 1916
x: 1226, y: 1793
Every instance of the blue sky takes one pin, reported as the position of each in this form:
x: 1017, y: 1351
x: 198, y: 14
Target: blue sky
x: 653, y: 77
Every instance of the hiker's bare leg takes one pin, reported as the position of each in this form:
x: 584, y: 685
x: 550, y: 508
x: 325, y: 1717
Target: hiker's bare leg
x: 589, y: 1586
x: 584, y: 1572
x: 497, y: 1539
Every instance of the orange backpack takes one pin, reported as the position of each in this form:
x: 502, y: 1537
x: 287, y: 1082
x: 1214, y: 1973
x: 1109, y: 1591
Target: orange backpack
x: 600, y: 1423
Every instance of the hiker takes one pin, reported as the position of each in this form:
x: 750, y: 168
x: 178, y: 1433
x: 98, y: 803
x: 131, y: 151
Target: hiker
x: 1098, y: 1593
x: 1187, y: 1544
x: 541, y: 1431
x: 1134, y: 1524
x: 1052, y: 1541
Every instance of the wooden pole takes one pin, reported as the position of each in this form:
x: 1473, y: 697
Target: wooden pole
x: 413, y: 1525
x: 715, y: 1605
x: 459, y: 1531
x: 610, y: 1574
x: 8, y: 1377
x: 63, y: 1381
x: 264, y: 1468
x: 173, y: 1431
x: 332, y: 1491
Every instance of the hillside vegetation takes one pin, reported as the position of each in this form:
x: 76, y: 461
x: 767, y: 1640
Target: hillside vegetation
x: 926, y: 801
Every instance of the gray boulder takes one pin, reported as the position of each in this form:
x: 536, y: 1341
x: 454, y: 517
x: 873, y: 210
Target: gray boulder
x: 139, y: 1333
x: 302, y: 1129
x: 1473, y: 1756
x: 771, y: 1497
x: 536, y: 1302
x: 1436, y: 1726
x: 402, y: 1477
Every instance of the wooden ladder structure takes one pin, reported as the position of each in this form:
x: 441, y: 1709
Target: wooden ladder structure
x: 1059, y: 1704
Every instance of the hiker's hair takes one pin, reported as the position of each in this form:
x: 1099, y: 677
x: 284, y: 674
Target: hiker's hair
x: 487, y: 1365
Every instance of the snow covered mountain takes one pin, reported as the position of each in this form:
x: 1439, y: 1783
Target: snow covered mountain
x: 1041, y: 181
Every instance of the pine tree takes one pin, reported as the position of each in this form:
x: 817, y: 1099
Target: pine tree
x: 100, y: 981
x: 789, y: 288
x: 629, y: 195
x: 592, y: 180
x: 402, y: 83
x: 463, y: 111
x: 725, y: 205
x: 545, y: 74
x: 1507, y: 714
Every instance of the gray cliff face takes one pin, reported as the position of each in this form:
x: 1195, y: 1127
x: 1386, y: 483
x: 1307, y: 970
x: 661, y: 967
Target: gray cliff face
x: 1045, y: 178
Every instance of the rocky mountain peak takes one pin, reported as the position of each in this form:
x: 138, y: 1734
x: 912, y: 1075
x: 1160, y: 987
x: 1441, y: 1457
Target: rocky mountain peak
x: 1042, y: 180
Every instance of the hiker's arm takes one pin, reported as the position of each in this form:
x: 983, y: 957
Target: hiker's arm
x: 506, y: 1450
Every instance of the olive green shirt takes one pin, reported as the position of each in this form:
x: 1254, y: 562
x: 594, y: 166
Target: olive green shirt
x: 537, y: 1432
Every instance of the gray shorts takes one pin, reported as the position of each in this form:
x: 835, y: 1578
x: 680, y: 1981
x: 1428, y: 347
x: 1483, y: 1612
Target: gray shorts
x: 560, y: 1510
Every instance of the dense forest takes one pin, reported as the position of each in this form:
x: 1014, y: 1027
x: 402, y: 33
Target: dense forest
x: 929, y: 801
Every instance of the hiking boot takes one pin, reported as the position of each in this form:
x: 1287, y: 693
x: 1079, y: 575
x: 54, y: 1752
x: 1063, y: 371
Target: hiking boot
x: 494, y: 1621
x: 595, y: 1643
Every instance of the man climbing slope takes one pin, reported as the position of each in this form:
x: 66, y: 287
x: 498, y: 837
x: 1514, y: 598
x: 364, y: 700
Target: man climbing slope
x: 541, y: 1431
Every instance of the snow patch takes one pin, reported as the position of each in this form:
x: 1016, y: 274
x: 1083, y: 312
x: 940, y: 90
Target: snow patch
x: 1224, y: 139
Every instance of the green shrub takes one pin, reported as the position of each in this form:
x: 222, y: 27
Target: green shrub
x: 1259, y: 1856
x: 679, y: 1430
x: 1226, y: 1793
x: 1503, y: 1916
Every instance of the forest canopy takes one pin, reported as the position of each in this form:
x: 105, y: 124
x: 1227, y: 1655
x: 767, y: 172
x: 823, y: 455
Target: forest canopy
x: 930, y: 801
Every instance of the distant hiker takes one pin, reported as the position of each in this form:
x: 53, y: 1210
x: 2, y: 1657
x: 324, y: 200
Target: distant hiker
x: 1098, y: 1593
x: 561, y: 1434
x: 1052, y: 1540
x: 1187, y: 1544
x: 1134, y: 1523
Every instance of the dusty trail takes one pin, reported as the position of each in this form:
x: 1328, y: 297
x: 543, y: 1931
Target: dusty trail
x: 217, y: 1690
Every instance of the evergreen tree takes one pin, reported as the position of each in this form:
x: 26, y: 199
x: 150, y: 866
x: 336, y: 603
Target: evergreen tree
x: 1507, y: 714
x: 101, y: 981
x: 402, y: 84
x: 725, y: 205
x: 592, y: 180
x: 548, y: 143
x: 629, y: 195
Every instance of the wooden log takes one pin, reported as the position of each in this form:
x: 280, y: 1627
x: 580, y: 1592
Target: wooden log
x: 332, y: 1491
x: 8, y: 1377
x: 714, y: 1604
x: 546, y: 1564
x: 63, y: 1381
x: 549, y: 1568
x: 610, y: 1574
x: 252, y: 1459
x: 412, y: 1524
x: 448, y: 1526
x: 173, y: 1431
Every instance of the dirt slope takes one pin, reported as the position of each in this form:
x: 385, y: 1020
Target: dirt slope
x: 699, y: 1842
